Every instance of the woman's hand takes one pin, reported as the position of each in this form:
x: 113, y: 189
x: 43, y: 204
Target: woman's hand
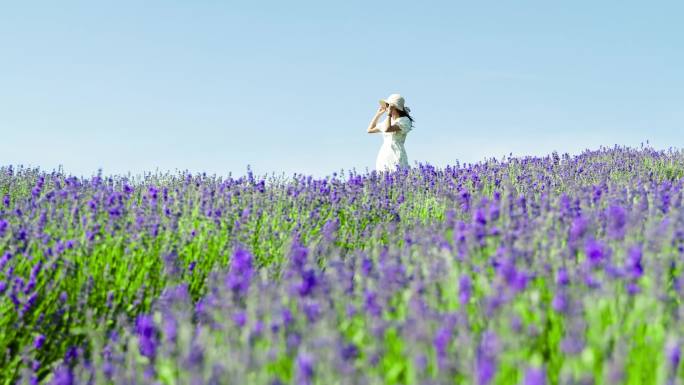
x: 371, y: 126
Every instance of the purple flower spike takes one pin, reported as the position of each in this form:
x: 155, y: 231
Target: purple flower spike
x: 240, y: 273
x: 366, y: 266
x: 535, y: 376
x: 674, y: 355
x: 240, y: 318
x: 486, y: 362
x: 63, y: 376
x: 39, y: 341
x: 170, y: 329
x: 287, y: 317
x: 563, y: 278
x: 633, y: 288
x: 572, y: 344
x: 633, y: 264
x: 312, y: 311
x: 298, y: 254
x: 519, y: 282
x: 195, y: 356
x: 617, y: 220
x: 441, y: 342
x: 596, y: 252
x: 146, y: 331
x: 560, y: 302
x: 578, y: 229
x: 329, y: 229
x: 371, y: 304
x: 308, y: 282
x: 465, y: 289
x: 4, y: 260
x: 3, y: 227
x: 349, y: 352
x: 305, y: 368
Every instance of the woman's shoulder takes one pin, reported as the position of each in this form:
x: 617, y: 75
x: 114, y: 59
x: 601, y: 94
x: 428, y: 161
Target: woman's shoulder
x: 405, y: 122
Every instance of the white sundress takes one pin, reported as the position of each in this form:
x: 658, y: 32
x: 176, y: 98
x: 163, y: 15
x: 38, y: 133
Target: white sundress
x: 392, y: 151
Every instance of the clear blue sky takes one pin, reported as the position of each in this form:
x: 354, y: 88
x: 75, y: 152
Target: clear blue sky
x: 289, y: 86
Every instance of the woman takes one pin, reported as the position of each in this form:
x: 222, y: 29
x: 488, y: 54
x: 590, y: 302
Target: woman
x: 394, y: 130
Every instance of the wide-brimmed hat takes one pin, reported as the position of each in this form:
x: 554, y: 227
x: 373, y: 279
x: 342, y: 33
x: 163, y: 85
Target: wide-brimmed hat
x: 396, y: 101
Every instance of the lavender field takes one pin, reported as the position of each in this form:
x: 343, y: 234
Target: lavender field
x: 550, y: 270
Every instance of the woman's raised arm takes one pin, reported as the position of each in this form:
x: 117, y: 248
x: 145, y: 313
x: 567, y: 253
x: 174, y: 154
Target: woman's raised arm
x: 371, y: 126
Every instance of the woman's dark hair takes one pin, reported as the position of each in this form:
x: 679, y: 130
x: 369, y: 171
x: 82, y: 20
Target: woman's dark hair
x: 406, y: 114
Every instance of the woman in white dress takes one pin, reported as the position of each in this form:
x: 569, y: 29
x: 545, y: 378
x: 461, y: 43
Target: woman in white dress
x: 393, y: 130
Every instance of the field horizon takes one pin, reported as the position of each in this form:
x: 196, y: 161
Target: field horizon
x: 157, y: 171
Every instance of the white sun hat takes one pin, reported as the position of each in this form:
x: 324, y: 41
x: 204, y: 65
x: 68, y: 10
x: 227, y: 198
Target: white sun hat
x: 396, y: 101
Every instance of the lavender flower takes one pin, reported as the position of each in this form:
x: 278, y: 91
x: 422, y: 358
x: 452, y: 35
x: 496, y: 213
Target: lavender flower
x: 146, y: 331
x: 441, y: 342
x: 305, y: 368
x: 560, y: 302
x: 371, y: 304
x: 240, y: 318
x: 633, y: 263
x: 674, y: 355
x: 312, y: 310
x: 308, y: 283
x: 38, y: 341
x: 63, y: 376
x: 596, y: 252
x: 241, y: 271
x: 465, y: 289
x: 349, y: 351
x: 486, y: 358
x: 534, y: 376
x: 617, y: 220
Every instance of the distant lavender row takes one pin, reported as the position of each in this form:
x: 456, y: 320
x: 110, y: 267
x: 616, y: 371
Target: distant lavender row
x: 535, y: 270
